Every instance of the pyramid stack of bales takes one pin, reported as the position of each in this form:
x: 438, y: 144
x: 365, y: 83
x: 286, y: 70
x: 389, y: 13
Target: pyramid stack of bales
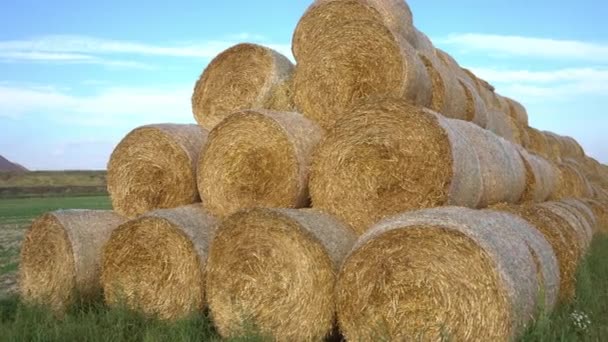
x: 375, y: 183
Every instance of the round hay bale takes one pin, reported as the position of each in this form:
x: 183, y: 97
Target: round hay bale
x: 545, y: 260
x: 155, y: 264
x: 448, y: 96
x: 538, y: 142
x: 61, y: 257
x: 358, y: 60
x: 436, y: 273
x: 475, y: 107
x: 389, y: 157
x: 328, y: 15
x: 553, y: 146
x: 517, y: 111
x: 559, y: 237
x: 541, y: 177
x: 600, y: 210
x: 583, y: 237
x: 585, y: 210
x: 257, y: 158
x: 570, y: 148
x: 422, y: 43
x: 276, y: 269
x: 241, y: 77
x: 570, y: 183
x: 583, y: 186
x: 502, y: 169
x: 503, y: 125
x: 154, y: 167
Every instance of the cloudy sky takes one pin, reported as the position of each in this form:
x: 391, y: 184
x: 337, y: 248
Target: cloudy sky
x: 76, y: 76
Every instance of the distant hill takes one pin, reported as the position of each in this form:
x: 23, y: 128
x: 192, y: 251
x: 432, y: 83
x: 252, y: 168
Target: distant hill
x: 6, y: 165
x: 52, y: 183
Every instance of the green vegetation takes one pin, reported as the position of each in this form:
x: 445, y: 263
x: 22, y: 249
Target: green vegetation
x: 21, y: 210
x: 585, y: 319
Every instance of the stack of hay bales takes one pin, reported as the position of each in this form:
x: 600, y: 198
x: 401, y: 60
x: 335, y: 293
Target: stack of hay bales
x: 429, y: 195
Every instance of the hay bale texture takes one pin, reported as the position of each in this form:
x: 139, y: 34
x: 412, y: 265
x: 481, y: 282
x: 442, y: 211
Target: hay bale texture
x: 155, y: 264
x: 154, y: 167
x: 517, y: 111
x: 61, y: 257
x: 328, y: 15
x: 448, y: 96
x: 538, y: 142
x: 390, y: 156
x: 559, y: 237
x: 355, y: 61
x: 276, y: 269
x: 582, y: 230
x: 257, y: 158
x: 541, y: 177
x: 242, y: 77
x: 438, y: 273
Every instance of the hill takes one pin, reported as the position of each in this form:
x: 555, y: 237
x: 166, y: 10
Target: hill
x: 6, y: 165
x: 52, y: 183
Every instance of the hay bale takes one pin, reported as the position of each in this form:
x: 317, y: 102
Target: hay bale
x: 517, y: 111
x: 328, y: 15
x: 155, y: 264
x: 545, y: 260
x: 422, y: 43
x: 61, y: 257
x: 502, y: 125
x: 558, y: 236
x: 389, y: 157
x: 276, y: 269
x: 476, y: 110
x: 154, y: 167
x: 538, y: 142
x: 448, y: 97
x: 356, y: 61
x: 541, y: 177
x: 571, y: 183
x: 585, y: 212
x: 241, y: 77
x: 570, y: 148
x: 567, y: 213
x: 600, y: 210
x: 257, y: 158
x: 553, y: 146
x: 583, y: 185
x: 444, y: 272
x: 502, y: 169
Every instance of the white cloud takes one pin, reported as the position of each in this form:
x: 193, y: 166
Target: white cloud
x: 75, y: 48
x: 111, y: 106
x: 549, y: 76
x: 528, y: 46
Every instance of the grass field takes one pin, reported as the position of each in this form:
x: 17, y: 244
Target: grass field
x: 586, y: 319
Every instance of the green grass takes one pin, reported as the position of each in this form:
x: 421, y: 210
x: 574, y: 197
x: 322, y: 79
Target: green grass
x: 591, y: 300
x: 23, y: 209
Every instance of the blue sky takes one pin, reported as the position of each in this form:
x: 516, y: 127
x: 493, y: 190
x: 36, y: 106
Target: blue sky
x: 76, y: 76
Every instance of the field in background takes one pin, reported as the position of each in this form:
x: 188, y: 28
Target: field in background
x: 97, y: 323
x: 52, y: 184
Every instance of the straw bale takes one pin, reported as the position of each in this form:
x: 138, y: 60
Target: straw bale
x: 242, y: 77
x: 448, y: 95
x: 538, y: 142
x: 440, y: 273
x: 61, y: 257
x: 325, y: 16
x: 517, y: 111
x: 567, y: 213
x: 502, y: 168
x: 153, y: 167
x: 541, y: 177
x: 276, y: 269
x: 558, y: 235
x: 155, y: 264
x: 257, y: 158
x: 355, y: 61
x: 389, y: 157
